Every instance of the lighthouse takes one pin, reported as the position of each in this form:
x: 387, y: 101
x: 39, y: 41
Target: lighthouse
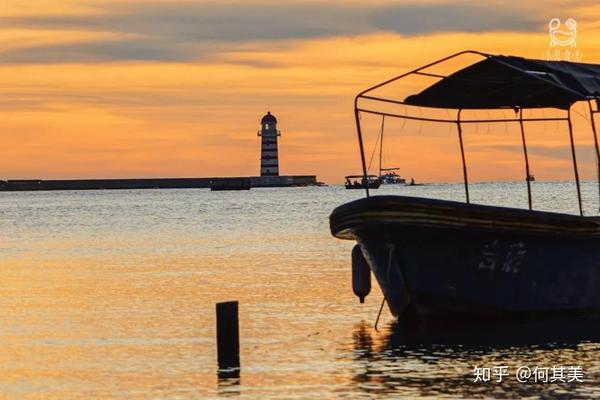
x: 269, y: 159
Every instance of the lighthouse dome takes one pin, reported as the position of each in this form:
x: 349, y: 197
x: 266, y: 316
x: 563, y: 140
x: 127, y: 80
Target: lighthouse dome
x: 268, y: 119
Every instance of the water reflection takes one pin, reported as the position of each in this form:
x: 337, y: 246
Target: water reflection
x: 439, y: 360
x: 111, y: 294
x: 228, y: 382
x: 496, y: 334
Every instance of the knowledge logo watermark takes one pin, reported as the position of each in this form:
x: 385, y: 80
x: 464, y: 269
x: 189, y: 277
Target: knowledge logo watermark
x: 563, y: 41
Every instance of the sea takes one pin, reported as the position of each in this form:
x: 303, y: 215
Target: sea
x: 111, y: 295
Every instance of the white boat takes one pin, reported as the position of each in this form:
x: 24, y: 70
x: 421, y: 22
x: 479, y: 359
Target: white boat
x: 390, y: 177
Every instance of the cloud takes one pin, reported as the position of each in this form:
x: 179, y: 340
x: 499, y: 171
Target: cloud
x: 184, y: 31
x: 102, y: 51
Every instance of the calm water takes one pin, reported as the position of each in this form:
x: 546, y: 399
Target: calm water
x: 111, y: 294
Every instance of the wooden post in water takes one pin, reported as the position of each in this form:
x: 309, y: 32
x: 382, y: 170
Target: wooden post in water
x: 228, y: 336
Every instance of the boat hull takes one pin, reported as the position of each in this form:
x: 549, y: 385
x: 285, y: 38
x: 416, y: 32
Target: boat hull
x: 437, y: 259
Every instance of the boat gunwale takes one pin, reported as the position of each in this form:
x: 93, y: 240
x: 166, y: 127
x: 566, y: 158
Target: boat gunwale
x: 408, y: 211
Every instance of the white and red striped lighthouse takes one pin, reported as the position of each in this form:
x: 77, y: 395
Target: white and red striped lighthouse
x: 269, y: 158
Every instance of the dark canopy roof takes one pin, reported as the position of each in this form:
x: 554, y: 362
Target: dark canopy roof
x: 508, y: 82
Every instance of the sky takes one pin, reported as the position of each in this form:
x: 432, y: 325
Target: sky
x: 172, y: 88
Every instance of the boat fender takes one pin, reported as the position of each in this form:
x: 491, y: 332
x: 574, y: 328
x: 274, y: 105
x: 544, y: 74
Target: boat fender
x: 361, y: 274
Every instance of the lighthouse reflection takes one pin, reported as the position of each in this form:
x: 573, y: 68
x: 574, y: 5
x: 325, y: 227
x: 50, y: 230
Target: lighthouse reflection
x: 439, y: 360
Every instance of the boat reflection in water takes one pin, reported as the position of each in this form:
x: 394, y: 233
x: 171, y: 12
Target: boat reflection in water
x: 439, y: 259
x: 438, y: 360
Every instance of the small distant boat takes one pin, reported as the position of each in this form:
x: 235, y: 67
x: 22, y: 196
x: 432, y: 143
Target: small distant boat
x: 352, y: 182
x: 531, y: 178
x: 230, y: 184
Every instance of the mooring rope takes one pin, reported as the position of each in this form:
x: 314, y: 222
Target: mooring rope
x: 379, y: 313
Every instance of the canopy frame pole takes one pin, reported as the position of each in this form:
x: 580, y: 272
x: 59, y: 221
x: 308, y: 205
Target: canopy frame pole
x: 356, y: 99
x: 528, y: 175
x: 574, y: 161
x: 479, y: 53
x: 593, y: 122
x: 381, y: 143
x: 464, y: 121
x: 462, y: 154
x: 362, y: 149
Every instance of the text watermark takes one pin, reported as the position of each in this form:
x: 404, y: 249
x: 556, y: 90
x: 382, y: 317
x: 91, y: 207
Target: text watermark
x: 529, y: 374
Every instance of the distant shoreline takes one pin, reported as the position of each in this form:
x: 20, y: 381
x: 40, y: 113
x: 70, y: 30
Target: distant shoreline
x: 18, y: 185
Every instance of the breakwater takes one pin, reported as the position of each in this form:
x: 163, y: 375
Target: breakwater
x: 153, y: 183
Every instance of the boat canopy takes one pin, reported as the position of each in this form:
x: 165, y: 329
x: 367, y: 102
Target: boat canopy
x: 513, y: 82
x: 494, y: 83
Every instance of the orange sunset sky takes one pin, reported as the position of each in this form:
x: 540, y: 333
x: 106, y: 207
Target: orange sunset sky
x: 107, y: 88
